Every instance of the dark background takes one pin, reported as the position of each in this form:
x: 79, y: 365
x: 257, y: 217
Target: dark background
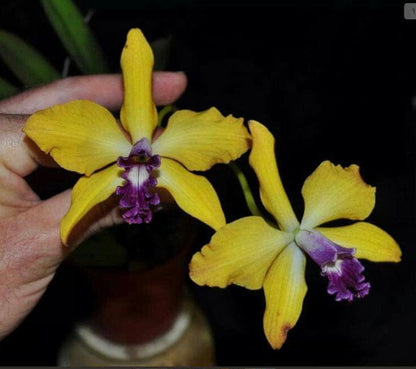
x: 332, y: 81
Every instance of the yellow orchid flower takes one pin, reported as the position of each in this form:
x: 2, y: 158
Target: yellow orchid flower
x: 126, y: 159
x: 252, y: 253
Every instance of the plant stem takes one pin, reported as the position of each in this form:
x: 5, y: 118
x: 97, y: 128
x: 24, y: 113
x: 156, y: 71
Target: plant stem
x: 164, y: 111
x: 251, y: 203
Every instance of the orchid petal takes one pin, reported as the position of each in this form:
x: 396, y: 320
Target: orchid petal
x: 284, y: 289
x: 193, y: 193
x: 138, y: 113
x: 80, y: 135
x: 370, y: 241
x: 332, y: 192
x: 200, y: 140
x: 239, y: 253
x: 272, y: 193
x: 88, y: 192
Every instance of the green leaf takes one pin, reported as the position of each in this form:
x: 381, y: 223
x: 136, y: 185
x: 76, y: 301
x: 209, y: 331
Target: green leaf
x: 75, y: 35
x: 7, y: 89
x: 29, y: 66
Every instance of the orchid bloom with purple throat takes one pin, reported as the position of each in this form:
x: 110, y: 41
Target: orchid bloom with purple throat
x: 129, y: 159
x: 253, y: 253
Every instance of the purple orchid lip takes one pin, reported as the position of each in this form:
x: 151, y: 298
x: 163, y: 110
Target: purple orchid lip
x: 338, y: 264
x: 137, y: 194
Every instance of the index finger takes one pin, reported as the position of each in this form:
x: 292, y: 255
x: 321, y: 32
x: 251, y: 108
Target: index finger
x: 21, y: 156
x: 105, y: 89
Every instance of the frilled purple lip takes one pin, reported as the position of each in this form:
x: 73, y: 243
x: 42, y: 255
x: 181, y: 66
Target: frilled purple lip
x: 338, y: 263
x: 137, y: 194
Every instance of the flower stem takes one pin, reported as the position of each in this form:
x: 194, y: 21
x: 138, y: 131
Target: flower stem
x: 251, y: 204
x: 165, y: 111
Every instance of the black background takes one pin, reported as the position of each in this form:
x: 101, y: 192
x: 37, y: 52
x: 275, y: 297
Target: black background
x: 331, y: 81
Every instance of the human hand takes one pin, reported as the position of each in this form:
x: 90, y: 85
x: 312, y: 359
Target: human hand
x: 30, y: 245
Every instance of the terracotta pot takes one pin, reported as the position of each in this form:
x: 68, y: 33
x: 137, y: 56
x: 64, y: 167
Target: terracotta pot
x: 143, y: 317
x: 135, y: 307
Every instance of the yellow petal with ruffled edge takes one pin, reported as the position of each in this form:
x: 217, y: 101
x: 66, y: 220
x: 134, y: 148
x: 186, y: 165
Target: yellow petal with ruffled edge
x: 193, y: 193
x: 284, y: 289
x: 81, y: 136
x: 199, y: 140
x: 333, y: 192
x: 371, y: 242
x: 239, y: 253
x: 87, y: 193
x: 138, y: 113
x: 263, y: 161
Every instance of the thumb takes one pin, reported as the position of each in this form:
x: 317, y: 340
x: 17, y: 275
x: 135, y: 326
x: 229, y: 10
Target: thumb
x: 30, y: 244
x: 30, y: 241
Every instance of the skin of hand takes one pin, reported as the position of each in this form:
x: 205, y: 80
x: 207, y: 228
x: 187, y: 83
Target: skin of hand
x: 30, y: 246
